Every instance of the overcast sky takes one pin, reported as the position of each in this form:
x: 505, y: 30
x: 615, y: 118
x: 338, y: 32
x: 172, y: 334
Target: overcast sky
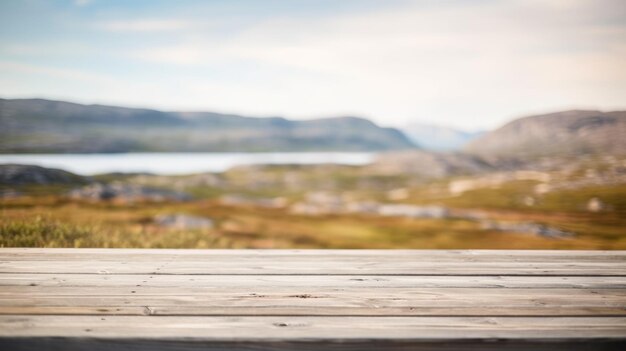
x: 469, y: 64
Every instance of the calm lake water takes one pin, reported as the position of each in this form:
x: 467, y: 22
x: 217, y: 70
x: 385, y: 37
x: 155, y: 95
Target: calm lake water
x: 180, y: 163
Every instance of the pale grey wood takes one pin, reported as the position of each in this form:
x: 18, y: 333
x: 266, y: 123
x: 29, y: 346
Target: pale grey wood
x: 296, y: 327
x: 294, y: 300
x: 545, y: 310
x: 99, y: 298
x: 328, y: 302
x: 317, y: 267
x: 296, y: 255
x: 268, y: 290
x: 334, y: 281
x: 263, y: 252
x: 330, y: 258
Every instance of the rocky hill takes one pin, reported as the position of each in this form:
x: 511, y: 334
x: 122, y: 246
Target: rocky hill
x: 568, y: 133
x: 36, y: 125
x: 14, y: 174
x: 428, y: 164
x: 438, y: 138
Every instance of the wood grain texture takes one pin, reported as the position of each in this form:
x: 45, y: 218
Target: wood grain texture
x: 134, y: 299
x: 332, y: 281
x: 337, y: 266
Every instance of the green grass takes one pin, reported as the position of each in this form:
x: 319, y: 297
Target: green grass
x: 39, y: 232
x: 54, y: 222
x: 47, y: 219
x: 576, y: 199
x: 47, y: 232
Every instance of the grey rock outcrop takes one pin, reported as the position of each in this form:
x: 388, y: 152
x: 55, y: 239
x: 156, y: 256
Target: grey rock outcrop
x: 428, y: 164
x: 125, y: 193
x: 183, y: 221
x: 527, y: 228
x: 14, y: 174
x: 569, y: 133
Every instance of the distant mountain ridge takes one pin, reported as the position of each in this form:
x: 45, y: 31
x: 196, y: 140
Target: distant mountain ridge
x: 535, y: 141
x: 567, y: 133
x: 38, y: 125
x: 438, y: 138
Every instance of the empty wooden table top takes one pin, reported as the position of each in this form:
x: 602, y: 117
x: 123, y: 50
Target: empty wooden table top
x: 99, y: 299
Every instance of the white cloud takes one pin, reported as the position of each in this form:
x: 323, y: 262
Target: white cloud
x: 178, y: 54
x: 468, y: 64
x: 53, y: 72
x: 17, y: 80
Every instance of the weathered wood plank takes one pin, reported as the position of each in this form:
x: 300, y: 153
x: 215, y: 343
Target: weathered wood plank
x: 374, y: 303
x: 296, y: 327
x: 335, y: 281
x: 309, y: 258
x: 307, y: 255
x: 311, y: 299
x: 379, y: 311
x: 297, y: 298
x: 309, y: 252
x: 268, y: 290
x: 316, y: 267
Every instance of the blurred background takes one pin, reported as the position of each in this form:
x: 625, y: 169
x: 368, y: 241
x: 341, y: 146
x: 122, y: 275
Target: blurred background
x: 313, y: 124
